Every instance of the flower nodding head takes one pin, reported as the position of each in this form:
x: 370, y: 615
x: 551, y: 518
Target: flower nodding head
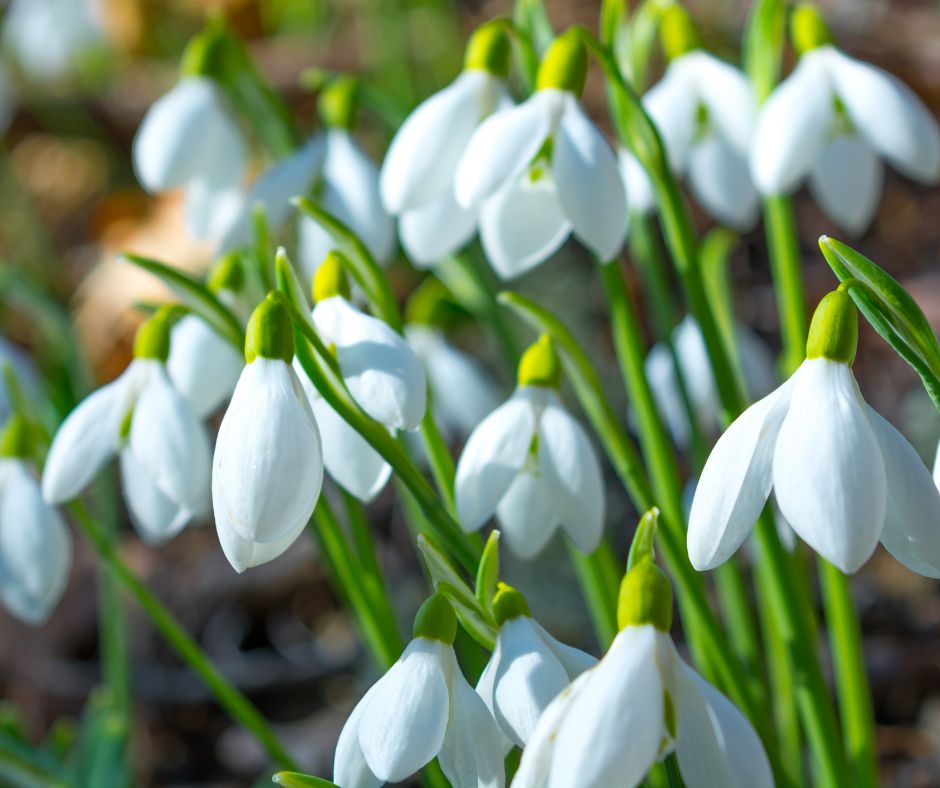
x: 269, y: 333
x: 153, y: 337
x: 564, y: 66
x: 489, y: 50
x: 539, y: 365
x: 436, y: 620
x: 677, y: 33
x: 330, y: 279
x: 833, y: 334
x: 508, y: 603
x: 808, y: 29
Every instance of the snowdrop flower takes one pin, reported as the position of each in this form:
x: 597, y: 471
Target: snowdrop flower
x: 35, y: 546
x: 756, y: 362
x: 268, y: 464
x: 705, y: 112
x: 190, y: 138
x: 532, y: 464
x: 542, y: 170
x: 527, y: 670
x: 163, y: 449
x: 420, y: 709
x: 417, y: 178
x: 843, y: 477
x: 381, y: 371
x: 641, y: 703
x: 832, y: 121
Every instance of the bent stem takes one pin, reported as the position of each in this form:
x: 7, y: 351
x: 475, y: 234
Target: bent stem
x: 229, y: 697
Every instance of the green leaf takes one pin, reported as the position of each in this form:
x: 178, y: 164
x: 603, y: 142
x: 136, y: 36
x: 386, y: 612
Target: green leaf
x: 634, y: 44
x: 23, y: 766
x: 100, y: 756
x: 196, y: 296
x: 488, y: 573
x: 764, y: 39
x: 298, y: 780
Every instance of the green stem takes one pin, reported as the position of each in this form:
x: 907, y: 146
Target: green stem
x: 442, y: 464
x: 673, y: 775
x: 845, y: 641
x: 599, y: 576
x: 229, y: 697
x: 786, y: 267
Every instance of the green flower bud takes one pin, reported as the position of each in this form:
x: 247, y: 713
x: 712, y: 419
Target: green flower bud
x: 677, y: 32
x: 330, y: 279
x: 508, y: 603
x: 436, y: 620
x: 645, y: 597
x: 539, y: 365
x: 16, y: 440
x: 489, y: 50
x: 564, y: 65
x: 228, y: 273
x: 153, y: 337
x: 204, y: 51
x: 337, y: 103
x: 429, y: 304
x: 808, y: 29
x: 269, y: 333
x: 833, y: 334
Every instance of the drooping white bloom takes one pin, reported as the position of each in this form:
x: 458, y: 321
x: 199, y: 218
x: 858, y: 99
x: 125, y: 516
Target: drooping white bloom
x: 527, y: 670
x: 542, y: 171
x: 756, y: 362
x: 831, y: 122
x: 35, y: 546
x: 203, y: 366
x: 532, y: 464
x: 267, y: 470
x: 843, y: 477
x: 640, y: 703
x: 190, y: 138
x: 420, y: 709
x: 163, y: 449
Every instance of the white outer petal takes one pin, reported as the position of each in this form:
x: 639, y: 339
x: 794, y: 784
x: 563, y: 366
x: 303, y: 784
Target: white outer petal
x: 528, y: 513
x: 350, y: 769
x: 829, y: 478
x: 639, y: 190
x: 721, y: 182
x: 846, y: 182
x: 156, y: 516
x: 726, y: 93
x: 670, y: 103
x: 244, y: 554
x: 573, y: 660
x: 661, y: 374
x: 434, y: 231
x: 381, y: 371
x: 202, y: 365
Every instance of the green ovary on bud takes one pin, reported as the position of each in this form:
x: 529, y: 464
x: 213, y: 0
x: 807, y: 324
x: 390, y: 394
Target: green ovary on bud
x: 564, y: 66
x: 489, y: 50
x: 436, y: 620
x: 645, y: 597
x: 228, y: 273
x: 539, y: 365
x: 808, y: 29
x: 16, y: 440
x: 337, y: 104
x: 833, y: 334
x: 269, y: 333
x: 508, y: 603
x: 153, y: 337
x: 330, y: 279
x: 677, y: 32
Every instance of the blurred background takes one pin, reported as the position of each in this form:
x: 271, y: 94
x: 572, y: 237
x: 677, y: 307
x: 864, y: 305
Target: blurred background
x: 76, y: 77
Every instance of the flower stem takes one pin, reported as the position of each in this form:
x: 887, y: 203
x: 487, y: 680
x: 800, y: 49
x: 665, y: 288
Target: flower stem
x: 786, y: 267
x: 845, y: 642
x: 229, y: 697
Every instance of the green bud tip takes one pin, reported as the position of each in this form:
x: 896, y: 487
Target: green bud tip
x: 564, y: 65
x: 330, y: 279
x: 539, y: 365
x: 337, y: 103
x: 228, y: 273
x: 153, y: 337
x: 436, y: 620
x: 808, y: 29
x: 677, y: 32
x: 489, y: 49
x: 833, y: 334
x: 508, y: 603
x: 269, y: 333
x: 645, y: 597
x: 15, y: 440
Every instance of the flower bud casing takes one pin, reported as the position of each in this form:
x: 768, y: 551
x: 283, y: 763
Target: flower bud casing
x: 645, y: 597
x: 227, y: 274
x: 489, y: 50
x: 808, y: 29
x: 564, y: 66
x: 539, y: 365
x: 436, y: 620
x: 337, y: 103
x: 833, y: 333
x: 16, y: 440
x: 153, y: 338
x: 269, y: 333
x: 508, y: 603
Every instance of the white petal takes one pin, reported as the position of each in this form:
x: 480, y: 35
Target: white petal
x: 268, y: 466
x: 243, y: 553
x: 573, y: 660
x: 846, y: 182
x: 486, y: 689
x: 727, y: 95
x: 471, y: 755
x: 504, y: 146
x: 404, y: 721
x: 420, y: 164
x: 829, y: 478
x: 35, y: 547
x: 211, y: 209
x: 523, y: 225
x: 637, y: 186
x: 381, y: 371
x: 494, y: 454
x: 202, y: 365
x: 791, y: 127
x: 612, y: 730
x: 435, y: 230
x: 573, y: 472
x: 349, y: 459
x: 528, y: 513
x: 589, y: 185
x: 735, y: 481
x: 661, y: 374
x: 911, y: 531
x: 350, y: 769
x: 716, y: 746
x: 721, y: 182
x: 156, y: 516
x: 889, y: 115
x: 671, y: 104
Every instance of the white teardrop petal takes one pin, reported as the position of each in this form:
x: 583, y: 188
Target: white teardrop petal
x: 435, y: 230
x: 203, y: 366
x: 846, y: 182
x: 350, y: 769
x: 727, y: 95
x: 721, y: 182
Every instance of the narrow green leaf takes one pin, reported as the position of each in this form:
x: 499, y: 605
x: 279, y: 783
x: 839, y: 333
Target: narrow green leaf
x: 488, y: 573
x: 298, y: 780
x: 763, y: 45
x: 643, y: 538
